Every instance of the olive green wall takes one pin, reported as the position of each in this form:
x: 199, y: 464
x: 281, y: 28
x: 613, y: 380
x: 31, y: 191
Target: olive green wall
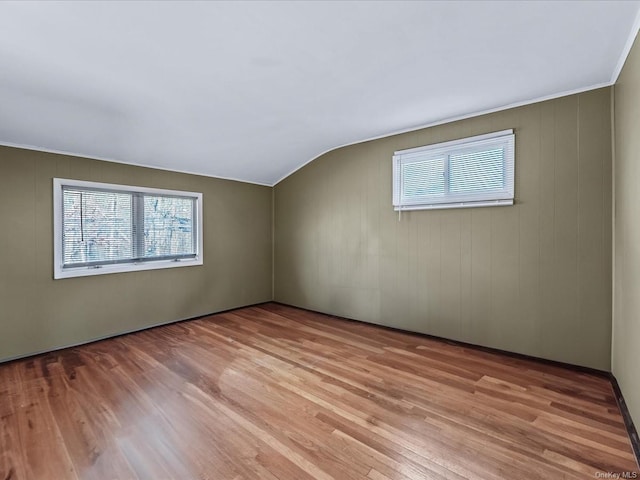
x: 626, y: 317
x: 38, y: 313
x: 534, y: 278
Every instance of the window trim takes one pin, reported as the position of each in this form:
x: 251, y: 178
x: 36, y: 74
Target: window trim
x: 502, y: 198
x: 59, y: 271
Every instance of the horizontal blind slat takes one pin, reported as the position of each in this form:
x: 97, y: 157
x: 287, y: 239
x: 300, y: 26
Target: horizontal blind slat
x: 464, y: 172
x: 98, y: 227
x: 168, y: 226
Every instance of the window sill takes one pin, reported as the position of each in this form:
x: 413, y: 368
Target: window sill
x: 60, y: 272
x: 438, y: 206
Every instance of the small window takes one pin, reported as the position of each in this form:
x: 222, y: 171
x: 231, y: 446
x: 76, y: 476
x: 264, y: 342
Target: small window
x: 472, y: 172
x: 103, y: 228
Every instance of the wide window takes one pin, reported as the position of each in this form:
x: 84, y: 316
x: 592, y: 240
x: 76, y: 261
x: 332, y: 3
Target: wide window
x: 472, y: 172
x: 104, y: 228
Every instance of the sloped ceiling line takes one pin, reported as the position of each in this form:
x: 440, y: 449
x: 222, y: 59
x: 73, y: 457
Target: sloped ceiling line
x: 252, y: 91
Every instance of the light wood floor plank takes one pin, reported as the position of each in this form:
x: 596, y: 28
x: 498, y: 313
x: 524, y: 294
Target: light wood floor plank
x: 274, y: 392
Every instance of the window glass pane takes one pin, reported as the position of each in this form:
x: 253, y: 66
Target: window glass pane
x: 168, y: 226
x: 477, y: 171
x: 96, y: 227
x: 425, y: 178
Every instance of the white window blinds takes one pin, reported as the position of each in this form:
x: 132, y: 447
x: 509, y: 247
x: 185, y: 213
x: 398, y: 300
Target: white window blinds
x: 472, y: 172
x: 97, y: 227
x: 102, y: 225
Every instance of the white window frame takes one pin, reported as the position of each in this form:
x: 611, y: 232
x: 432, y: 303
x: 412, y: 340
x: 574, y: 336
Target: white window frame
x: 60, y: 271
x: 503, y: 197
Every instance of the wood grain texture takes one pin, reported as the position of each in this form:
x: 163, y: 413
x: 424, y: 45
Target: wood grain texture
x: 275, y: 392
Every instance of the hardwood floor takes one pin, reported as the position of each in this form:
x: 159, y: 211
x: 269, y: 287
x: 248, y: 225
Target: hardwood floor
x: 275, y: 392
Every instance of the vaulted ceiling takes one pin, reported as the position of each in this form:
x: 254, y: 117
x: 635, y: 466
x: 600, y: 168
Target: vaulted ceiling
x: 254, y: 90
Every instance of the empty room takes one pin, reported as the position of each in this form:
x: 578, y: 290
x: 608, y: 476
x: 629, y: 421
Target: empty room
x: 319, y: 240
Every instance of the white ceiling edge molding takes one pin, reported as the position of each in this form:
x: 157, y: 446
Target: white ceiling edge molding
x: 251, y: 91
x: 121, y: 162
x: 627, y: 49
x: 385, y: 135
x: 456, y: 119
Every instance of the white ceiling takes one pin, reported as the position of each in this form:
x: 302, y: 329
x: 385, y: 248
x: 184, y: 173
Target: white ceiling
x: 254, y: 90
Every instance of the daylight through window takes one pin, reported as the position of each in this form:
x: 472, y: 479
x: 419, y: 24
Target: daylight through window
x: 103, y: 228
x: 472, y: 172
